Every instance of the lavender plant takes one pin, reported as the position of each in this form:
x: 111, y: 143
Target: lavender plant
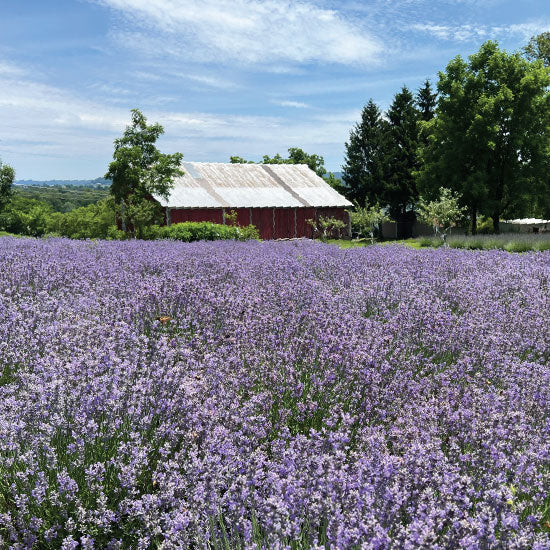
x: 272, y: 395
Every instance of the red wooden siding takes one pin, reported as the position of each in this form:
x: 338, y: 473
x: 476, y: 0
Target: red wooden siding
x: 179, y: 215
x: 272, y: 223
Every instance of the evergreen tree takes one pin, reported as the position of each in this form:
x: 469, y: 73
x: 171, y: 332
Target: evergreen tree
x: 363, y: 173
x: 426, y: 101
x: 401, y: 157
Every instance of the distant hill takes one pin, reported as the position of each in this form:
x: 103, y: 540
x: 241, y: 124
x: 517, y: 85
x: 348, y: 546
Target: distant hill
x: 98, y: 182
x: 337, y: 175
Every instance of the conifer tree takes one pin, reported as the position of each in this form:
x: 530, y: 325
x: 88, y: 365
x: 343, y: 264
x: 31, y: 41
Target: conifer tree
x: 401, y: 157
x: 426, y: 101
x: 363, y: 173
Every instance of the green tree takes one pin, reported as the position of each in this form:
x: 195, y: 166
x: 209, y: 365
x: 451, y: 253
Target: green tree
x: 426, y: 101
x: 326, y: 227
x: 295, y: 156
x: 141, y: 214
x: 539, y: 48
x: 139, y: 169
x: 7, y: 176
x: 240, y: 160
x: 443, y: 213
x: 491, y: 136
x: 363, y: 172
x: 401, y: 157
x: 367, y: 219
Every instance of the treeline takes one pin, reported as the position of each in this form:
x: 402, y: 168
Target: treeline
x: 484, y: 133
x: 59, y: 197
x: 36, y: 218
x: 98, y: 221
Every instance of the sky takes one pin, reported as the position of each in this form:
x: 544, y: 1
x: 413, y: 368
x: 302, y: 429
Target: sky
x: 224, y: 77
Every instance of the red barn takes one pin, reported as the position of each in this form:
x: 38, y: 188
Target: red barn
x: 277, y: 198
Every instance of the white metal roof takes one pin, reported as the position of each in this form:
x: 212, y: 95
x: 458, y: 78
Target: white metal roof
x: 527, y: 221
x: 222, y: 185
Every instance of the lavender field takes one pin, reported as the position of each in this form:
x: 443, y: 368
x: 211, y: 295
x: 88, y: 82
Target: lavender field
x: 272, y: 395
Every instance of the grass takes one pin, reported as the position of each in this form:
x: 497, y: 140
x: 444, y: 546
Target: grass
x: 360, y: 243
x: 511, y: 242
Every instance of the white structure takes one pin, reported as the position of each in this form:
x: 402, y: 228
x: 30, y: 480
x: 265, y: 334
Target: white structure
x: 526, y: 225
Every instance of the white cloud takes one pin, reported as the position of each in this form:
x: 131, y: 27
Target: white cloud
x: 211, y: 81
x: 9, y: 69
x: 60, y: 129
x: 464, y: 33
x: 248, y: 31
x: 295, y: 104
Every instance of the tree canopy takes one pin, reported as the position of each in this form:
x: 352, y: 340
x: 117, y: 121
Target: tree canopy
x: 401, y: 156
x: 363, y: 169
x: 7, y: 177
x: 539, y: 48
x: 295, y: 156
x: 139, y: 168
x: 382, y: 156
x: 491, y: 136
x: 443, y: 213
x: 426, y: 100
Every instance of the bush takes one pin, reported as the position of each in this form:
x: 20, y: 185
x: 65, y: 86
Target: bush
x: 432, y: 242
x: 542, y: 245
x: 485, y: 226
x: 518, y: 246
x: 96, y: 221
x: 201, y: 231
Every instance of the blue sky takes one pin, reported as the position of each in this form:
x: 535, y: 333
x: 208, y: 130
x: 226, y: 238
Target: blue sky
x: 224, y: 77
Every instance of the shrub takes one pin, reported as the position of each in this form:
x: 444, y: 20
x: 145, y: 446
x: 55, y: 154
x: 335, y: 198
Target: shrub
x: 542, y: 245
x: 95, y: 221
x: 202, y: 231
x: 518, y: 246
x: 431, y: 242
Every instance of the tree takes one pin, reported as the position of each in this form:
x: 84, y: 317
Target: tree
x: 539, y: 48
x: 142, y: 213
x: 326, y: 227
x: 491, y: 136
x: 401, y: 157
x: 363, y: 172
x: 7, y: 176
x: 426, y: 101
x: 295, y: 156
x: 442, y: 214
x: 367, y: 219
x: 240, y: 160
x: 139, y: 169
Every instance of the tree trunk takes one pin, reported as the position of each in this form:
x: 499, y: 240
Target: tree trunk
x: 474, y: 220
x: 123, y: 215
x: 496, y: 221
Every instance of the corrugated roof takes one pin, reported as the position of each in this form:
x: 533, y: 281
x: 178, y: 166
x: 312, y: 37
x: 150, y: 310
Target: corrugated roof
x: 222, y: 185
x: 527, y: 221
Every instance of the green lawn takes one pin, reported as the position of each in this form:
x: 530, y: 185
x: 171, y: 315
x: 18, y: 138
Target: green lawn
x: 346, y: 243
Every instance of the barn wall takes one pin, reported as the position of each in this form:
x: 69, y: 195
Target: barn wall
x: 302, y: 227
x: 272, y: 223
x: 179, y: 215
x: 262, y: 218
